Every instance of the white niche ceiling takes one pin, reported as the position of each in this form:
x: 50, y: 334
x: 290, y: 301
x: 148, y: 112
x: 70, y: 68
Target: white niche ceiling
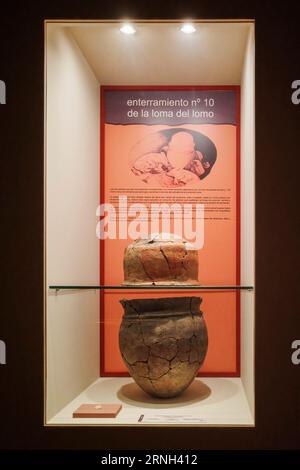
x: 79, y: 57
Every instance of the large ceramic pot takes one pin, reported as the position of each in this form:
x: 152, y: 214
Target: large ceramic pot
x: 163, y: 342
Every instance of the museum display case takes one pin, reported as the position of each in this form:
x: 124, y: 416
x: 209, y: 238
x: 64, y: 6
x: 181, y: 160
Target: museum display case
x: 149, y: 224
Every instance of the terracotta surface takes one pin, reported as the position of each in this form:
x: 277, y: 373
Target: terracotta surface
x: 160, y: 261
x: 218, y: 259
x: 163, y: 343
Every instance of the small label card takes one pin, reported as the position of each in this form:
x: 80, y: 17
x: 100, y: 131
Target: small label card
x: 171, y: 419
x: 97, y: 410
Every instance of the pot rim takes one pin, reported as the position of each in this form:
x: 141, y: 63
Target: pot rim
x: 159, y: 315
x: 161, y: 307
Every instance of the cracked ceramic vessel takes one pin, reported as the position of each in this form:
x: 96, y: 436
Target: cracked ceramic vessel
x: 161, y: 259
x: 163, y: 342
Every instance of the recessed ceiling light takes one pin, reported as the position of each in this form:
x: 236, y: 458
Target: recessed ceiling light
x: 188, y: 28
x: 127, y: 28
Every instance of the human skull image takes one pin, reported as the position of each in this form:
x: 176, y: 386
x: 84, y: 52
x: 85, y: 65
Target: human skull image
x: 181, y: 149
x: 173, y: 158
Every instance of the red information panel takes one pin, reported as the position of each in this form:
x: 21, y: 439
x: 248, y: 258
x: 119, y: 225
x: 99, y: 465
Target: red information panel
x: 170, y: 164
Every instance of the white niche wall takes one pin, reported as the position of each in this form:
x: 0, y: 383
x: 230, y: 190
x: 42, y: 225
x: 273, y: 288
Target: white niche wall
x: 79, y: 57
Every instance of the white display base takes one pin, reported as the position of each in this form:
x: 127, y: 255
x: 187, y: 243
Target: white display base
x: 214, y: 401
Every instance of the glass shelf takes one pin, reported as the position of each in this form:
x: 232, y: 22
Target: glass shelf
x: 151, y: 287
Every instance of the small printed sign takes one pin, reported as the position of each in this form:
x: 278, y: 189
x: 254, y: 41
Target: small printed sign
x: 171, y: 419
